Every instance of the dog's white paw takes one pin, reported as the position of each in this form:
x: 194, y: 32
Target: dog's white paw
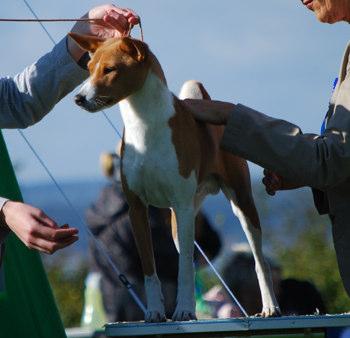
x: 155, y: 300
x: 272, y: 311
x: 182, y: 314
x: 154, y: 316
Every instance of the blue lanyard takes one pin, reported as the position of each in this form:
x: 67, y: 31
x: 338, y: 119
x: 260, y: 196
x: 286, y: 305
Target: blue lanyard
x: 324, y: 123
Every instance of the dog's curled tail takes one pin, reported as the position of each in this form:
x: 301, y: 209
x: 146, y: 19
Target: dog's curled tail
x: 193, y: 89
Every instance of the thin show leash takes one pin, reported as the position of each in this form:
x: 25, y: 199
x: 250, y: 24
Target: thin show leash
x: 47, y: 20
x: 100, y: 246
x: 65, y: 20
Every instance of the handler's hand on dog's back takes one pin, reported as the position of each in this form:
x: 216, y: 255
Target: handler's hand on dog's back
x: 47, y: 81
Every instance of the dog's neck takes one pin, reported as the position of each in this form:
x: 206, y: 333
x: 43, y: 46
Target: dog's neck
x: 146, y: 112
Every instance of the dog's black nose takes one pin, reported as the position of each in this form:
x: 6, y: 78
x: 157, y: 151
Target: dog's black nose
x: 80, y: 99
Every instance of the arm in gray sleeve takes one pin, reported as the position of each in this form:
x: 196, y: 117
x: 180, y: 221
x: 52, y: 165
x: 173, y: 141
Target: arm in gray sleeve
x: 30, y: 95
x: 317, y: 161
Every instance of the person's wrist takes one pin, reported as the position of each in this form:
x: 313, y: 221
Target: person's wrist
x: 3, y: 212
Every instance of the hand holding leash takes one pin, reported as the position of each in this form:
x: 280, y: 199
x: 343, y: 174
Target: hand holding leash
x: 107, y: 21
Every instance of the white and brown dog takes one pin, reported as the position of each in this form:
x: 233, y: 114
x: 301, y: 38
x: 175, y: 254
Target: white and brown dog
x: 169, y: 161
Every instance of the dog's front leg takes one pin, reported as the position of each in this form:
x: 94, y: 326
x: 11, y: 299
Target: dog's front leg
x: 142, y: 234
x: 185, y: 308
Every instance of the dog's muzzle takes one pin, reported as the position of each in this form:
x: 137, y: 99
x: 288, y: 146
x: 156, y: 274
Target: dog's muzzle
x: 80, y: 100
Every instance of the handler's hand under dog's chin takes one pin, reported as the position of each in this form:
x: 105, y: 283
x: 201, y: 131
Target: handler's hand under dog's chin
x: 210, y: 111
x: 111, y: 22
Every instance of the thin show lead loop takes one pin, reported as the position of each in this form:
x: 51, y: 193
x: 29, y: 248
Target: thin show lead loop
x: 100, y: 246
x: 216, y: 272
x: 47, y: 20
x: 67, y: 20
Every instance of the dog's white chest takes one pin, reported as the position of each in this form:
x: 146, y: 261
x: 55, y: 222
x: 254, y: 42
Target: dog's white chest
x: 150, y: 164
x: 152, y: 175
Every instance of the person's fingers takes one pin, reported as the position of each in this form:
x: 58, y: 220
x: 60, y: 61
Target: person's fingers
x: 117, y: 21
x: 119, y: 10
x: 128, y: 13
x: 132, y: 17
x: 271, y: 192
x: 269, y: 187
x: 38, y: 248
x: 272, y: 180
x: 268, y: 183
x: 50, y: 234
x: 64, y: 233
x: 51, y: 247
x: 265, y: 181
x: 41, y: 217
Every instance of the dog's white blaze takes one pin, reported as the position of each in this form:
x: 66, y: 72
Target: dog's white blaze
x: 88, y: 90
x: 149, y: 161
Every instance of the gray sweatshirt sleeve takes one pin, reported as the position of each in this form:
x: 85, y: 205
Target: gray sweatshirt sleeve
x: 2, y: 202
x: 31, y: 94
x: 317, y: 161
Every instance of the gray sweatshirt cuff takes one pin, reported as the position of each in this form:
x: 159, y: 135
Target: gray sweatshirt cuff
x: 2, y: 202
x: 62, y: 57
x: 2, y: 223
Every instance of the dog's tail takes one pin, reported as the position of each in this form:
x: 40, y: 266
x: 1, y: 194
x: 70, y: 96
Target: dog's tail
x: 193, y: 89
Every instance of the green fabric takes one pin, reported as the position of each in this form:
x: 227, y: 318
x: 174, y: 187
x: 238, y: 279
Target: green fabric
x: 27, y: 306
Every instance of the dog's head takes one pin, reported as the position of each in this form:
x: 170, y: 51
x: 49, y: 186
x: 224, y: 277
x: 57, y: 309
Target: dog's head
x: 118, y: 68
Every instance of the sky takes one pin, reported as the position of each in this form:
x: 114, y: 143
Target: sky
x: 271, y: 55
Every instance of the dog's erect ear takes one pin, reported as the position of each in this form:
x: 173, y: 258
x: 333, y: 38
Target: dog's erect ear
x: 137, y: 49
x: 87, y: 42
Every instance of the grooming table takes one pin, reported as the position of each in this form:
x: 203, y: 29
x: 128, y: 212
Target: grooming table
x: 299, y: 326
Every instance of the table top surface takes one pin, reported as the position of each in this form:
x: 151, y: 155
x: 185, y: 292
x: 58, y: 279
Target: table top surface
x: 250, y: 324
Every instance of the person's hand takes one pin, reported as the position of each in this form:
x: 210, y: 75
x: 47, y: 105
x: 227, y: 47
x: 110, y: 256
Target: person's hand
x: 274, y: 182
x: 111, y: 22
x: 35, y: 229
x: 210, y: 111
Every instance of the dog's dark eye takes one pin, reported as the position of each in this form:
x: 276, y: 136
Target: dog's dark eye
x: 108, y: 70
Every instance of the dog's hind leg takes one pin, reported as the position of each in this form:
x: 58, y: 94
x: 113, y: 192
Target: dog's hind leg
x: 185, y: 307
x: 142, y: 234
x: 243, y: 207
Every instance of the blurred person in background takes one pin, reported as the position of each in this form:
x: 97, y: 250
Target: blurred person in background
x: 26, y: 98
x: 295, y: 297
x: 109, y: 221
